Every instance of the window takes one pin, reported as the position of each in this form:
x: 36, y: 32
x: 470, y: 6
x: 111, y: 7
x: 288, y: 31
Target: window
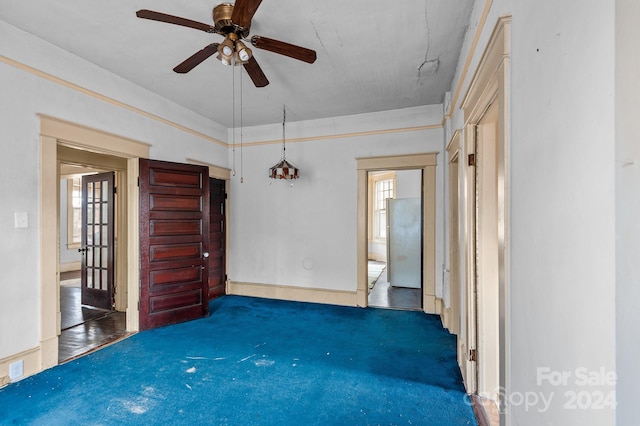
x: 74, y: 212
x: 384, y: 188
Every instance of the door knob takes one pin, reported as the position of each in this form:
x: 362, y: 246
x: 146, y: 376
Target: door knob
x: 205, y: 254
x: 84, y: 250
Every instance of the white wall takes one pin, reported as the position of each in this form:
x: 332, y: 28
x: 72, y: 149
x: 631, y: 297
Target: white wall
x: 64, y: 93
x: 305, y: 235
x: 563, y: 267
x: 627, y: 210
x: 563, y: 222
x: 409, y: 183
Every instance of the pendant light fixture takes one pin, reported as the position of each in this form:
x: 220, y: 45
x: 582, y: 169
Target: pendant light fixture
x: 284, y: 169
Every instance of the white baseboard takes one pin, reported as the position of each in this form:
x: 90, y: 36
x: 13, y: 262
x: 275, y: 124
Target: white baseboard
x: 377, y: 257
x: 31, y: 364
x: 70, y: 266
x: 296, y: 294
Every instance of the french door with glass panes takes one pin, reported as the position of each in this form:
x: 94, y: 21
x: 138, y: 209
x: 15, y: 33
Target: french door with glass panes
x: 97, y: 248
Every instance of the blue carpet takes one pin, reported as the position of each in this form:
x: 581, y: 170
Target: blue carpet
x: 262, y: 362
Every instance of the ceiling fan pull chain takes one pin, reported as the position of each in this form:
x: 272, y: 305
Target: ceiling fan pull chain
x: 241, y: 151
x: 233, y: 117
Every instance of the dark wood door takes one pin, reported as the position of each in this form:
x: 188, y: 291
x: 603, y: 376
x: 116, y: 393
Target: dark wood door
x: 174, y: 242
x: 96, y: 275
x: 217, y: 238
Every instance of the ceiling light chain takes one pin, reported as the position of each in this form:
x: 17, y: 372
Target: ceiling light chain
x: 284, y: 169
x: 233, y: 118
x: 241, y: 153
x: 284, y: 119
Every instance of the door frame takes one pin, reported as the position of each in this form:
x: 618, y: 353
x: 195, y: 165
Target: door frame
x: 53, y: 133
x: 490, y: 85
x: 427, y: 163
x: 452, y: 313
x: 224, y: 174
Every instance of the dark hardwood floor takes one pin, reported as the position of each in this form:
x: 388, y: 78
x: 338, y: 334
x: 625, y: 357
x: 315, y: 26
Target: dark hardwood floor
x: 384, y: 295
x: 84, y: 328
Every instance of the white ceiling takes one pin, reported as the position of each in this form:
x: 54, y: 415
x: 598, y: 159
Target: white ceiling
x: 372, y: 55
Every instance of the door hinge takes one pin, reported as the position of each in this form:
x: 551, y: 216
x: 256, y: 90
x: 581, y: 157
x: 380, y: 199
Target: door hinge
x: 471, y: 159
x: 138, y: 181
x: 226, y: 278
x: 225, y: 195
x: 115, y: 189
x: 472, y: 355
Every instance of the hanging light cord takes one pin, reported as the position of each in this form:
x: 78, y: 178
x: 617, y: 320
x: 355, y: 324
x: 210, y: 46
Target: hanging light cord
x: 284, y: 118
x: 241, y: 153
x: 233, y: 115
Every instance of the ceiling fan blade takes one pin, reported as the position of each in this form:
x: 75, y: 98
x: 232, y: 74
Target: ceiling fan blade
x: 176, y: 20
x: 286, y: 49
x: 243, y: 11
x: 255, y: 72
x: 196, y: 59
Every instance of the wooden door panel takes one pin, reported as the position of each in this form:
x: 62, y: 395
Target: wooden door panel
x: 174, y: 230
x: 171, y: 202
x: 176, y: 178
x: 173, y: 302
x: 176, y: 252
x: 165, y: 228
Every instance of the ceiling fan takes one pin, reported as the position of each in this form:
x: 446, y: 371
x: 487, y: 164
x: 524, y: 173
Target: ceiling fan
x: 233, y: 21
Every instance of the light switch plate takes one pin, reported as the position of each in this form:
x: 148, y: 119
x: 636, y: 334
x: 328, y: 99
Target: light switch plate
x: 21, y: 219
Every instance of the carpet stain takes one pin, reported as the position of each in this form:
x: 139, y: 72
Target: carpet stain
x: 264, y: 363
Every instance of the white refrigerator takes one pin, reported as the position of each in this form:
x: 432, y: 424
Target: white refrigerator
x: 404, y: 242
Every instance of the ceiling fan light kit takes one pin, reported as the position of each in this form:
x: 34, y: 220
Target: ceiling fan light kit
x: 243, y: 52
x: 233, y: 21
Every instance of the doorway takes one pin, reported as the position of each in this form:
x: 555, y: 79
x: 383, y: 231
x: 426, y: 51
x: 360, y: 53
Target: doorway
x: 90, y: 277
x: 426, y: 163
x: 484, y: 227
x: 55, y: 134
x: 217, y: 238
x: 395, y: 239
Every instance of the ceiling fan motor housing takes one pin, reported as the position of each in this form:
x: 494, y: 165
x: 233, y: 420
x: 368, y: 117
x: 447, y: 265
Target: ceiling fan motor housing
x: 223, y: 23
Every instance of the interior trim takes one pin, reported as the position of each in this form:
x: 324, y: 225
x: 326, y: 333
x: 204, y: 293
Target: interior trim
x: 490, y: 85
x: 453, y: 248
x: 347, y: 135
x: 105, y: 98
x: 214, y: 171
x: 292, y: 293
x: 55, y: 132
x: 31, y: 359
x: 185, y: 129
x: 470, y: 55
x: 70, y: 266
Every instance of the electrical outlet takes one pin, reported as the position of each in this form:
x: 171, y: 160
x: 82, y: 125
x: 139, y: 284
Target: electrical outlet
x: 16, y: 370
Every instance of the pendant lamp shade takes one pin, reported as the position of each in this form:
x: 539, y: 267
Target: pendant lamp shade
x: 284, y: 169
